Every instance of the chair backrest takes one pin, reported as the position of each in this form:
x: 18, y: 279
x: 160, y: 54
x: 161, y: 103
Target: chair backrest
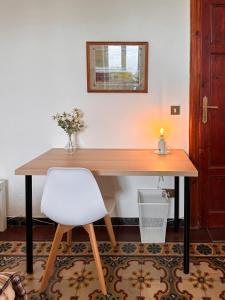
x: 72, y: 197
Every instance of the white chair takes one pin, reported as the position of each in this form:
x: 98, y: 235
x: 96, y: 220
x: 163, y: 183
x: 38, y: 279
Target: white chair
x: 71, y: 198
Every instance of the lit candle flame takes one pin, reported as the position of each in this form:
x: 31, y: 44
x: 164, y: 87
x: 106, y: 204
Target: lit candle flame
x: 161, y: 131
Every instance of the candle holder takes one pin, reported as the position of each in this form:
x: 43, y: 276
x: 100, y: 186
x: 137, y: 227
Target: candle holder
x: 162, y: 147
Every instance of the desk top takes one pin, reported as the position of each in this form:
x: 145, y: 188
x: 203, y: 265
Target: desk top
x: 114, y: 162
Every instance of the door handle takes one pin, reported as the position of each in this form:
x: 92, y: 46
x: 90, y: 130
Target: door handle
x: 205, y: 108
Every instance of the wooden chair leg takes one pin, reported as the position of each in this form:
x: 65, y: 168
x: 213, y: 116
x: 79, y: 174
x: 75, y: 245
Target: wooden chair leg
x: 69, y: 238
x: 61, y: 229
x: 90, y: 229
x: 109, y: 228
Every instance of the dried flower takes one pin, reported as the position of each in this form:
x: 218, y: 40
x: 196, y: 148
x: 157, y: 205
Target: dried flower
x: 70, y: 122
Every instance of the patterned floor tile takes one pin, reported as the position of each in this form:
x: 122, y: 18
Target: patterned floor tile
x: 154, y: 282
x: 156, y: 270
x: 70, y: 271
x: 18, y: 264
x: 128, y: 269
x: 217, y: 291
x: 155, y: 291
x: 31, y: 285
x: 90, y: 267
x: 122, y: 248
x: 205, y: 281
x: 64, y: 288
x: 91, y: 292
x: 126, y: 289
x: 133, y: 271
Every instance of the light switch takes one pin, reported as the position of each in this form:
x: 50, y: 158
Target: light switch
x: 175, y: 110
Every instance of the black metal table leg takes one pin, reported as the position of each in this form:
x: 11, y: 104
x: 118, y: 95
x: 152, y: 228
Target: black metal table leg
x: 29, y: 231
x: 176, y: 204
x: 186, y: 224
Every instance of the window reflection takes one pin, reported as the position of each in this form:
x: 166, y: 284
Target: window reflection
x: 114, y: 57
x: 117, y: 65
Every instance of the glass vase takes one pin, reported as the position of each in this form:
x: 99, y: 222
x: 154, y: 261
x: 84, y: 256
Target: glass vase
x: 70, y: 146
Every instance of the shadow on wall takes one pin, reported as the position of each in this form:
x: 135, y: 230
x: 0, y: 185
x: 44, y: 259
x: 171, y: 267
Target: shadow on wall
x: 109, y: 187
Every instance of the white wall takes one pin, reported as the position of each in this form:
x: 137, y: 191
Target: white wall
x: 43, y: 71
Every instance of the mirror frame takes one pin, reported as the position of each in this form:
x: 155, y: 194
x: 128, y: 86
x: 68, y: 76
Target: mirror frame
x: 90, y: 66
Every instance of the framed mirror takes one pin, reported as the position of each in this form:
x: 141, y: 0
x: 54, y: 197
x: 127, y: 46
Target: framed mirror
x: 117, y: 67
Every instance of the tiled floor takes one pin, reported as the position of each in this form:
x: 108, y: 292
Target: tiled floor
x: 123, y: 233
x: 132, y: 270
x: 142, y: 272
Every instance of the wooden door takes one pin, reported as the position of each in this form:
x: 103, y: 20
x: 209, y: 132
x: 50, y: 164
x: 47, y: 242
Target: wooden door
x: 212, y: 118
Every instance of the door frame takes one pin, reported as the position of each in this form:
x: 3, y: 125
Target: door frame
x: 194, y: 110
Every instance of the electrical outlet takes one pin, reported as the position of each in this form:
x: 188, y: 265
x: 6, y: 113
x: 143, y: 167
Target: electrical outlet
x: 175, y: 110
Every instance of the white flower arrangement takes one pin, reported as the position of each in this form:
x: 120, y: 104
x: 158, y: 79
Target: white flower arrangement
x: 70, y: 122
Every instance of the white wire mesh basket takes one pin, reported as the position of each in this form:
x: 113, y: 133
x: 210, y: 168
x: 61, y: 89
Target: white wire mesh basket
x: 153, y: 212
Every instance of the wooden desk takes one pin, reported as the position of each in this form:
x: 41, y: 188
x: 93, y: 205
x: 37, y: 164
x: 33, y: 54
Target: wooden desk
x: 114, y: 162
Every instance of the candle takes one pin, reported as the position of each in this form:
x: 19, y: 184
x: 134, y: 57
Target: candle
x: 162, y: 142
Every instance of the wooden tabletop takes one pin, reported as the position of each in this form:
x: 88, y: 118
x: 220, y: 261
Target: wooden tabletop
x: 114, y: 162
